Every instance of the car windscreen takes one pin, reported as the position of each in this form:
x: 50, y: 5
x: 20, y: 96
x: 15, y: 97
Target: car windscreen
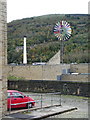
x: 17, y: 95
x: 8, y: 95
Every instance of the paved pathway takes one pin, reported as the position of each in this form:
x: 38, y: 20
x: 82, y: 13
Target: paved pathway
x: 41, y: 113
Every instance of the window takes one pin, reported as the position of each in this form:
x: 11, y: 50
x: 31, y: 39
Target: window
x: 17, y: 95
x: 8, y: 95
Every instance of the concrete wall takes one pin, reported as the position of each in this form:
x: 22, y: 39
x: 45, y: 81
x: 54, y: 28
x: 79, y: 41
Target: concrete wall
x: 3, y: 58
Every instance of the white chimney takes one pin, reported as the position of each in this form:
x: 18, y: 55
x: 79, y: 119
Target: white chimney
x: 24, y: 52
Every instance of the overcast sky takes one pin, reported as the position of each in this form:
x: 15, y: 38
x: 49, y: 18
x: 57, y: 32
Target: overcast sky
x: 18, y: 9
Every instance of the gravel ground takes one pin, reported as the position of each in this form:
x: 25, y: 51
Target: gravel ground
x: 80, y: 102
x: 66, y: 100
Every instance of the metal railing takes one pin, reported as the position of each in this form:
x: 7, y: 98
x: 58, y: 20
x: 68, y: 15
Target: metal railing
x: 41, y: 100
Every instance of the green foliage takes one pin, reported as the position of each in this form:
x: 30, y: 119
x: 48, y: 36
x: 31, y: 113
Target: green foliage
x: 15, y: 78
x: 41, y: 42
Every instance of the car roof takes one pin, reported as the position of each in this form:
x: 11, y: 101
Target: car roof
x: 12, y: 91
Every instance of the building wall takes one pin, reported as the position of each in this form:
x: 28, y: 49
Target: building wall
x: 80, y: 78
x: 79, y: 68
x: 3, y: 58
x: 55, y: 59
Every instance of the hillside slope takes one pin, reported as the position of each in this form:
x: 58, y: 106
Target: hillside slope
x: 41, y: 42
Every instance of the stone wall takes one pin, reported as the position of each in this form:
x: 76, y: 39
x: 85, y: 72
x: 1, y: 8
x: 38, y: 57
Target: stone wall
x: 49, y: 72
x: 3, y: 58
x: 38, y: 72
x: 67, y: 88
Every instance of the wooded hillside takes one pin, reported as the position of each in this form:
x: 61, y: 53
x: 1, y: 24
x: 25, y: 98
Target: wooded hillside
x: 41, y: 42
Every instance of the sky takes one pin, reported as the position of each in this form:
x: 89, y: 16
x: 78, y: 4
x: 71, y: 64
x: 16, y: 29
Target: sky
x: 18, y: 9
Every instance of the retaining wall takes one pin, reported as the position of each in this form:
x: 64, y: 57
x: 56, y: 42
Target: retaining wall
x: 68, y: 88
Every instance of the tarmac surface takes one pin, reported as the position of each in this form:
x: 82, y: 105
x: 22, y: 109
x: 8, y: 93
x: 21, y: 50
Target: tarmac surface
x: 71, y: 107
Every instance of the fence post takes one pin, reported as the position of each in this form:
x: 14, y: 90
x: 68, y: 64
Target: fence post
x: 51, y: 100
x: 41, y: 100
x: 60, y: 99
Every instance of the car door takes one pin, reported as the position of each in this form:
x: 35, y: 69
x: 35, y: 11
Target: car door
x: 8, y: 100
x: 17, y: 100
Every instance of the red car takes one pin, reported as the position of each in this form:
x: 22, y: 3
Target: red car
x: 17, y: 99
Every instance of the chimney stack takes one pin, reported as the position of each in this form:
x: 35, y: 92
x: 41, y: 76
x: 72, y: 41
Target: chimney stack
x: 24, y: 52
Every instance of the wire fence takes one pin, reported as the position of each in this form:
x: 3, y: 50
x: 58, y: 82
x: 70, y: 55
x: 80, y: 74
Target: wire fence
x: 41, y: 100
